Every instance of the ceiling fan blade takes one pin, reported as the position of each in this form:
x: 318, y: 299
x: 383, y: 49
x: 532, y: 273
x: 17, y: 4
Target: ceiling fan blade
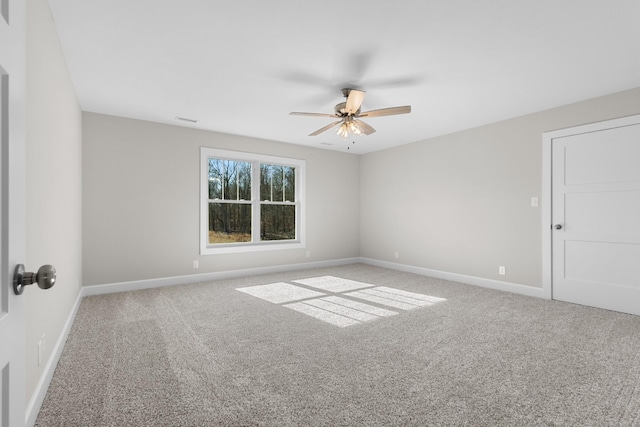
x: 357, y: 64
x: 387, y: 111
x: 326, y: 128
x: 366, y: 129
x: 304, y: 78
x: 354, y: 101
x: 409, y: 80
x: 295, y: 113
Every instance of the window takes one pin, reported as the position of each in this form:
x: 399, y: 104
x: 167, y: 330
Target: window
x: 250, y: 202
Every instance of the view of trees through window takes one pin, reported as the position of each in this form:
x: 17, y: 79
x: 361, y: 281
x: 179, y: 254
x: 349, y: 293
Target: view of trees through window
x: 278, y: 214
x: 229, y: 201
x: 231, y: 204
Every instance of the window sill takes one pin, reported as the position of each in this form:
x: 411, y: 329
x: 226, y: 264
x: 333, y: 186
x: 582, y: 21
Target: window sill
x: 258, y: 247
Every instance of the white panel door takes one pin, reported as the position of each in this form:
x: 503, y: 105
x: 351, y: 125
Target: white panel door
x: 12, y: 209
x: 596, y: 218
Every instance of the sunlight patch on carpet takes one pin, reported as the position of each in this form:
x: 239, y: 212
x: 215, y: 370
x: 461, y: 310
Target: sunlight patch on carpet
x: 336, y: 309
x: 281, y: 292
x: 324, y: 315
x: 333, y: 284
x: 412, y: 295
x: 341, y: 310
x: 382, y: 300
x: 381, y: 312
x: 395, y: 297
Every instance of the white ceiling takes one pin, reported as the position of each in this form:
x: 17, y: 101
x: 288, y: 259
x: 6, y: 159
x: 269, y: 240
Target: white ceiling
x: 241, y: 66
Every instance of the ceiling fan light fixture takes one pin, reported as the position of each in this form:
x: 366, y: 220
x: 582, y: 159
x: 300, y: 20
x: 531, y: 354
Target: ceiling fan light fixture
x: 349, y: 128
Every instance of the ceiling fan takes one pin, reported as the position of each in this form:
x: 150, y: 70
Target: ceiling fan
x: 349, y: 114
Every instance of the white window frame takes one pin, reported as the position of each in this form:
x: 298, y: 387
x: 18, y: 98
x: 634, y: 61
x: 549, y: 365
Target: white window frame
x: 255, y: 245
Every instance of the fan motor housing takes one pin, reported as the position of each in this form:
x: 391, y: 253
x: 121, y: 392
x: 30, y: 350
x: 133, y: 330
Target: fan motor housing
x: 341, y: 110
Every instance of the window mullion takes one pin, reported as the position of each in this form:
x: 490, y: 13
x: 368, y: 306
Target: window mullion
x: 255, y: 202
x: 297, y: 200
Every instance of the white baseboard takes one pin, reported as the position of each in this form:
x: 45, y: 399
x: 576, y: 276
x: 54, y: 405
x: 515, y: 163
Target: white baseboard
x: 461, y: 278
x: 196, y: 278
x: 34, y: 405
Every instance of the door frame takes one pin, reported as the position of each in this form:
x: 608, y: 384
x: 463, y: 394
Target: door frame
x: 547, y: 188
x: 13, y: 208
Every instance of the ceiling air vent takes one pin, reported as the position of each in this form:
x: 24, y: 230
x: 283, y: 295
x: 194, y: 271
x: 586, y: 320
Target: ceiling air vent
x: 184, y: 119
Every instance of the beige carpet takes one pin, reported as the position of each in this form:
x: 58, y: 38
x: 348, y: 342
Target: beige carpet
x: 209, y: 354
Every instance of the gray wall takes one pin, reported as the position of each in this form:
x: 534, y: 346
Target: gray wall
x: 53, y: 187
x: 461, y: 203
x: 458, y: 203
x: 141, y: 201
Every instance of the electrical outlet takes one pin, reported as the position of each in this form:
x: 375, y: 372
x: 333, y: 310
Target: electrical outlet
x: 502, y: 270
x: 195, y: 264
x: 308, y: 254
x: 396, y: 255
x: 535, y: 202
